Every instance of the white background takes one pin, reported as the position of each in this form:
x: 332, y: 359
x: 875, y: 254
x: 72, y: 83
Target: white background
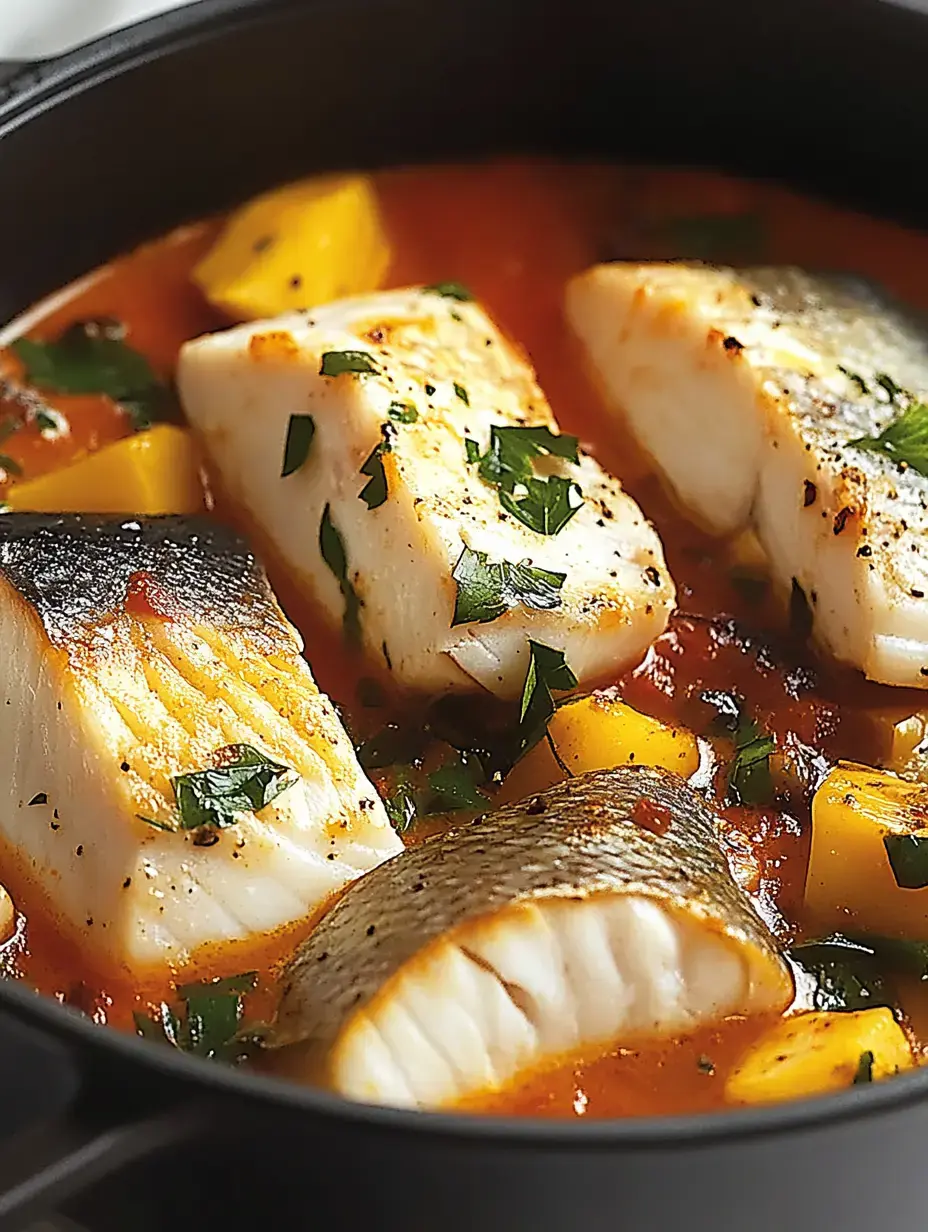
x: 32, y: 29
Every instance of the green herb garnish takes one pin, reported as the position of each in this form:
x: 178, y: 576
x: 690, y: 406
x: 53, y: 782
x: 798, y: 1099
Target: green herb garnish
x: 91, y: 357
x: 450, y: 290
x: 337, y: 363
x: 472, y: 449
x: 300, y: 433
x: 749, y: 778
x: 390, y: 746
x: 544, y: 505
x: 403, y: 412
x: 843, y: 975
x: 453, y: 787
x: 207, y: 1021
x: 908, y: 858
x: 401, y: 805
x: 547, y: 671
x: 864, y: 1072
x: 244, y: 784
x: 904, y: 440
x: 486, y: 590
x: 374, y: 492
x: 10, y: 465
x: 461, y: 393
x: 332, y: 548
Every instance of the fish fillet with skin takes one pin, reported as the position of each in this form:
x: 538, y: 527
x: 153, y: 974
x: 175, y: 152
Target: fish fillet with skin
x: 747, y: 388
x: 132, y: 652
x: 554, y: 925
x: 441, y: 375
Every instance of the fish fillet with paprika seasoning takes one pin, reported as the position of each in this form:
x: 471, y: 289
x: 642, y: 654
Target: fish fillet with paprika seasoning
x: 176, y: 783
x: 428, y: 499
x: 576, y: 919
x: 788, y: 402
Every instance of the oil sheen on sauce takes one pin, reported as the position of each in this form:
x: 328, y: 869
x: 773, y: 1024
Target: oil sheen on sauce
x: 514, y: 232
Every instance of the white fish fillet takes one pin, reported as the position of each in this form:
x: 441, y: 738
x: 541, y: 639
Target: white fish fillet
x: 448, y: 361
x: 732, y: 380
x: 554, y: 927
x: 102, y: 706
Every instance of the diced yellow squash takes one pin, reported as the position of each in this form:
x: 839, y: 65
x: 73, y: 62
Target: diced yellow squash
x: 149, y: 473
x: 598, y: 732
x: 297, y: 246
x: 850, y: 884
x: 810, y: 1054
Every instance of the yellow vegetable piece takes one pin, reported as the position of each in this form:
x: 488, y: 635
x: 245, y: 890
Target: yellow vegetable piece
x: 810, y: 1054
x: 596, y: 733
x: 149, y: 473
x: 297, y: 246
x: 850, y: 884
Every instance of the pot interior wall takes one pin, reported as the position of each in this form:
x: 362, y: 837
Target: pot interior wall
x: 201, y: 114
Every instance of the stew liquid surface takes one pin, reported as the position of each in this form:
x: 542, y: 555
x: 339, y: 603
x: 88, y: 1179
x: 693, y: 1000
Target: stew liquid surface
x: 514, y: 233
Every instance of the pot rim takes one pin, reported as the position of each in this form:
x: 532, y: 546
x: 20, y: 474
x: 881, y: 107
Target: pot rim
x: 39, y: 88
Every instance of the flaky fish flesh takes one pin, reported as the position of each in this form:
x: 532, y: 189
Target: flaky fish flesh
x: 176, y: 783
x: 763, y: 396
x: 435, y: 508
x: 599, y: 912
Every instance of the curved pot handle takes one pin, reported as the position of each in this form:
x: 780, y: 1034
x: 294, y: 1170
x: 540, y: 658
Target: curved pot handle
x: 64, y: 1127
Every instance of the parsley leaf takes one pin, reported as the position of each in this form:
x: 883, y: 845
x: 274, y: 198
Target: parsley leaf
x: 374, y: 492
x: 403, y: 412
x: 246, y: 783
x: 864, y: 1072
x: 207, y: 1021
x: 472, y: 449
x: 511, y: 451
x: 908, y: 858
x: 544, y: 505
x: 450, y: 290
x: 401, y: 805
x: 840, y: 975
x: 333, y: 553
x: 300, y: 433
x: 486, y: 590
x: 749, y: 773
x: 453, y: 787
x: 91, y: 357
x: 547, y: 670
x: 461, y: 392
x: 336, y: 363
x: 903, y: 440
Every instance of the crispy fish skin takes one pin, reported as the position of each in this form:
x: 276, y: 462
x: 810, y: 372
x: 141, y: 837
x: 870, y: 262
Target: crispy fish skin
x: 732, y: 380
x: 111, y: 695
x: 451, y: 365
x: 485, y: 923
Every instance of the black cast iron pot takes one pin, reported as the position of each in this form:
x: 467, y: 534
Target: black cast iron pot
x: 194, y: 111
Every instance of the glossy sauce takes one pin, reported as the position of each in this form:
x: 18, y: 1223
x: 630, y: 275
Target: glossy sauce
x: 514, y: 233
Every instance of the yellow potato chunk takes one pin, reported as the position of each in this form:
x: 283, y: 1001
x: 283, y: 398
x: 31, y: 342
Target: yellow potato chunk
x: 596, y: 733
x: 297, y: 246
x: 810, y: 1054
x: 850, y: 884
x: 149, y: 473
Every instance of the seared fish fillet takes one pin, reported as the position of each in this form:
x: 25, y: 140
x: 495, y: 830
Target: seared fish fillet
x: 747, y: 388
x: 429, y: 374
x: 556, y: 924
x: 131, y: 652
